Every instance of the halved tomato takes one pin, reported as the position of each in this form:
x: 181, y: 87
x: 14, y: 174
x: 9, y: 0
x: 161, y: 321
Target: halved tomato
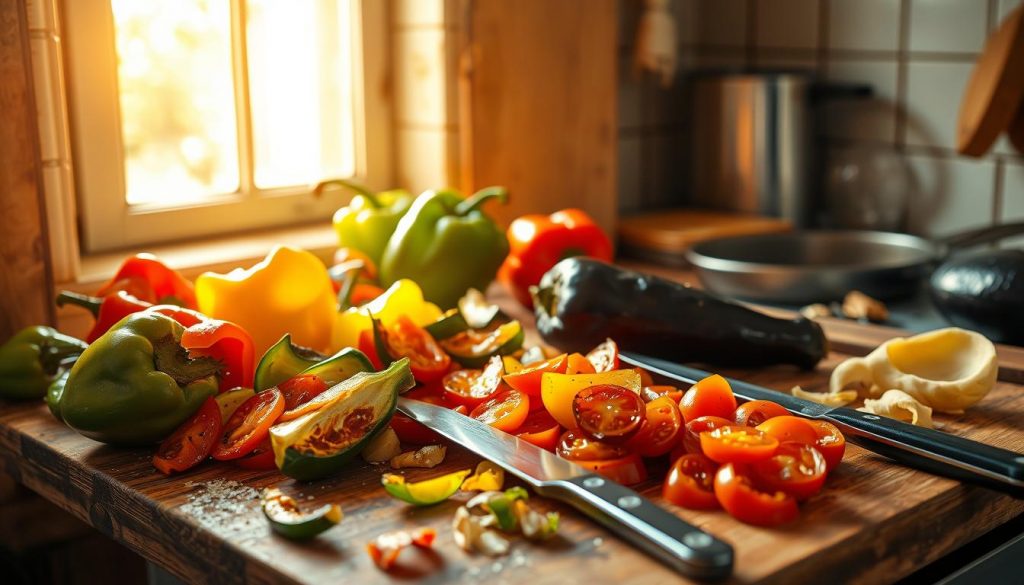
x: 742, y: 500
x: 796, y: 469
x: 693, y: 429
x: 249, y: 425
x: 755, y: 412
x: 192, y: 442
x: 507, y: 411
x: 612, y: 461
x: 789, y: 428
x: 735, y: 444
x: 831, y: 443
x: 691, y: 483
x: 301, y: 389
x: 527, y: 380
x: 404, y: 338
x: 412, y: 432
x: 540, y: 429
x: 604, y: 357
x: 660, y: 432
x: 711, y: 396
x: 471, y: 387
x: 628, y: 470
x: 261, y: 458
x: 607, y: 412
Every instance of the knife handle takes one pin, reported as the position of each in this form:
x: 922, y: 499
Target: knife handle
x: 658, y: 532
x: 934, y: 450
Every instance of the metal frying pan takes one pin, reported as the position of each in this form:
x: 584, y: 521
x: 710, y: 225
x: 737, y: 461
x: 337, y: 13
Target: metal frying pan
x: 819, y: 266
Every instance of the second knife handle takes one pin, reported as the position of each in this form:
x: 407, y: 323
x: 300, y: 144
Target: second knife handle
x: 660, y: 533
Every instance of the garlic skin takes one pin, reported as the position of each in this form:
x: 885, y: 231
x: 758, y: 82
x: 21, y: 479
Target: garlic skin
x: 947, y: 369
x: 899, y: 405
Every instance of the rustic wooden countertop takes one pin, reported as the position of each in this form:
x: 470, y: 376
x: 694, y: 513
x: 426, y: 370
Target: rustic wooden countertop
x: 875, y: 522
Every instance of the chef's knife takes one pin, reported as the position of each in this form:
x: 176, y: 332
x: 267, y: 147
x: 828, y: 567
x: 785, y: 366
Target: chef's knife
x: 927, y: 449
x: 656, y: 531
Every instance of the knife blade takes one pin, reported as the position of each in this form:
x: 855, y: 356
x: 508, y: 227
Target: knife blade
x: 923, y: 448
x: 658, y: 532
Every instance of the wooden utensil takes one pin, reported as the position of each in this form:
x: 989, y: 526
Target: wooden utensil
x: 996, y: 88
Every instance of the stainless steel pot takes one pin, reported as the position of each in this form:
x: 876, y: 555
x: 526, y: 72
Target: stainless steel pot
x: 820, y: 266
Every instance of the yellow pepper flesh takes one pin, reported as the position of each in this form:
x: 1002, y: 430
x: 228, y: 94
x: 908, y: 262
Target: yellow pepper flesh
x: 289, y: 291
x: 402, y: 298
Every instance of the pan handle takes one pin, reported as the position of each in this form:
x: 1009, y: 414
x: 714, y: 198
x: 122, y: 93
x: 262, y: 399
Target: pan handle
x: 983, y: 235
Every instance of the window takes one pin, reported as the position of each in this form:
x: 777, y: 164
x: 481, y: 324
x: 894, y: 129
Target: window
x: 192, y: 118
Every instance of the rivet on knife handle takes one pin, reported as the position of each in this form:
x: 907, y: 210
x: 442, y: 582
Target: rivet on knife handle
x: 658, y: 532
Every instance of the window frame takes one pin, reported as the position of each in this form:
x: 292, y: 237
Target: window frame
x: 107, y: 222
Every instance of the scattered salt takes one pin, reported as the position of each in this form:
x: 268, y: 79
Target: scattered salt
x: 598, y: 541
x: 497, y: 567
x: 219, y: 503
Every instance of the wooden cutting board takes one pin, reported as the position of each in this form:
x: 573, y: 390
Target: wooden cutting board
x: 875, y: 523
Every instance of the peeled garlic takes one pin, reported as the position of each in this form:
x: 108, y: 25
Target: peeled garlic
x: 901, y: 406
x: 841, y: 398
x: 948, y: 369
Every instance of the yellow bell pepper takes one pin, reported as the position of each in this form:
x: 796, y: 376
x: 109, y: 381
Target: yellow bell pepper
x: 289, y: 291
x: 402, y: 298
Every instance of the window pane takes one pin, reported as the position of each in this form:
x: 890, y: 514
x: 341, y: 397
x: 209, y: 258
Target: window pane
x: 177, y: 99
x: 300, y: 90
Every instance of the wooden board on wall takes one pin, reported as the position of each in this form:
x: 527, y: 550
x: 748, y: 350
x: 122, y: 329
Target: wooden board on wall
x: 538, y: 104
x: 25, y: 277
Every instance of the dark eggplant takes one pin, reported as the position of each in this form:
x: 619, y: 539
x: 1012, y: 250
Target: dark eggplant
x: 983, y: 292
x: 581, y: 302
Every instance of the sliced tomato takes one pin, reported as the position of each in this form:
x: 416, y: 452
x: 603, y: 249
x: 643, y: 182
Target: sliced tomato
x: 430, y: 393
x: 576, y: 363
x: 693, y: 429
x: 412, y: 432
x: 301, y: 389
x: 789, y: 428
x: 755, y: 412
x: 651, y: 393
x: 575, y: 446
x: 404, y: 338
x: 742, y: 500
x: 690, y: 483
x: 527, y: 380
x: 249, y: 425
x: 831, y: 443
x: 540, y: 429
x: 261, y: 458
x: 628, y: 470
x: 507, y: 411
x: 712, y: 396
x: 796, y: 469
x: 607, y: 412
x: 471, y: 387
x: 736, y: 444
x: 192, y: 442
x: 660, y: 432
x: 604, y: 357
x: 369, y: 348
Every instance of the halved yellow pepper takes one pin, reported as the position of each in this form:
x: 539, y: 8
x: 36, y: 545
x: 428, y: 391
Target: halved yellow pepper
x: 402, y: 298
x: 289, y: 291
x: 558, y: 390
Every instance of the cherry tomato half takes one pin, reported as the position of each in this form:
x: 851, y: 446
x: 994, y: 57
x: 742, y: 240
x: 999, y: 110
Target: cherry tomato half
x: 427, y: 360
x: 471, y: 387
x: 191, y: 443
x: 755, y: 412
x: 691, y: 483
x: 507, y: 411
x: 575, y: 446
x: 527, y: 380
x: 789, y: 428
x: 660, y: 432
x: 540, y: 429
x: 796, y: 469
x: 712, y: 396
x: 735, y: 444
x: 412, y: 432
x: 628, y: 470
x: 693, y: 429
x: 743, y: 501
x: 301, y: 389
x: 261, y: 458
x: 604, y: 357
x: 249, y: 425
x: 607, y: 412
x: 831, y: 443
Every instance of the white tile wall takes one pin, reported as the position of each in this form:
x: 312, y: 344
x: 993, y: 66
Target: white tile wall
x: 864, y: 119
x: 629, y: 172
x: 787, y: 24
x: 867, y: 25
x: 950, y: 194
x: 948, y: 25
x: 803, y: 59
x: 934, y: 90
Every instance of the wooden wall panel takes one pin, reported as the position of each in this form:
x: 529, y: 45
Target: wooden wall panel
x: 538, y: 104
x: 26, y: 283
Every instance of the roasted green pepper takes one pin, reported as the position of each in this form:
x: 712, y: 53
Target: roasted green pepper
x: 136, y: 384
x: 287, y: 520
x: 370, y: 218
x: 283, y: 360
x: 32, y: 359
x: 447, y: 245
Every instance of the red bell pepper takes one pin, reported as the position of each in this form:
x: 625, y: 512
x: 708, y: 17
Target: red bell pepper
x: 147, y: 278
x: 538, y: 242
x: 224, y: 341
x: 107, y: 310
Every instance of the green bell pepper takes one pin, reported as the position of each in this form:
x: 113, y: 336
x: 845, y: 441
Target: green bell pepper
x: 447, y: 245
x: 33, y: 358
x: 370, y: 218
x: 54, y: 393
x: 136, y: 384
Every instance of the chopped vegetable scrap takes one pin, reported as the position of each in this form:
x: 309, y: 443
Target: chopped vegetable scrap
x: 427, y: 456
x: 383, y: 447
x: 487, y: 477
x: 508, y: 511
x: 286, y: 519
x: 841, y: 398
x: 385, y: 548
x: 423, y: 493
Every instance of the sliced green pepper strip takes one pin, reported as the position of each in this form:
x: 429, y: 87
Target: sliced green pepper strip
x: 473, y: 349
x: 283, y: 361
x: 450, y: 324
x: 503, y: 507
x: 424, y: 493
x: 287, y: 520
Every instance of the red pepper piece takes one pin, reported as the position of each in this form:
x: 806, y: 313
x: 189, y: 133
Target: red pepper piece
x: 147, y: 278
x: 224, y: 341
x: 538, y: 242
x: 107, y: 310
